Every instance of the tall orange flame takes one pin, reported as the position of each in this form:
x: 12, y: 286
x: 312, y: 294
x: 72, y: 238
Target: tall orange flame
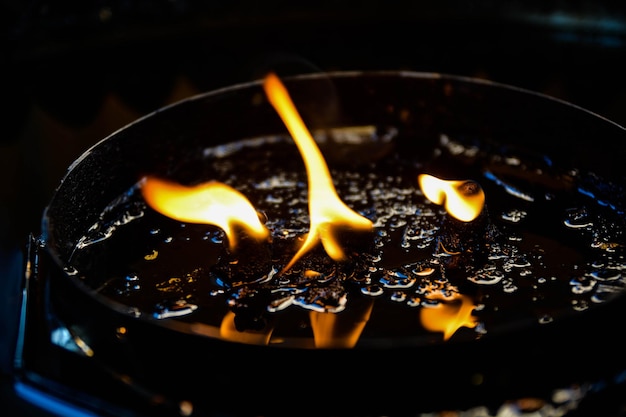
x: 448, y: 316
x: 208, y: 203
x: 462, y: 199
x: 326, y: 210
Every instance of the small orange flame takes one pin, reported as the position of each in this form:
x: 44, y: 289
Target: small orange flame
x: 327, y: 212
x: 462, y: 199
x: 211, y: 202
x: 448, y: 316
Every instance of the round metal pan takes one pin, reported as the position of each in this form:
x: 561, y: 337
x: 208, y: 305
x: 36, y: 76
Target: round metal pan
x: 218, y: 376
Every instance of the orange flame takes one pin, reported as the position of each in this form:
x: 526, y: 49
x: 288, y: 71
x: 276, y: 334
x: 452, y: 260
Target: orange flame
x: 327, y: 212
x: 450, y: 316
x: 463, y: 200
x: 209, y: 203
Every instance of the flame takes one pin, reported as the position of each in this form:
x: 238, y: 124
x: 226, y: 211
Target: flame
x: 326, y: 210
x: 449, y: 316
x: 462, y: 199
x: 339, y: 330
x: 209, y: 203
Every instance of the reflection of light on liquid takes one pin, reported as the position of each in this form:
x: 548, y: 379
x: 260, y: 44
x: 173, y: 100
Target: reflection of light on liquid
x: 209, y: 203
x: 229, y: 331
x: 448, y: 315
x: 327, y: 212
x: 331, y: 330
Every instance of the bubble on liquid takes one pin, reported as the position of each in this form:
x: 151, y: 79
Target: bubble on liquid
x: 373, y: 258
x: 396, y: 279
x: 545, y: 319
x: 430, y: 302
x: 372, y: 290
x: 413, y: 301
x: 131, y: 282
x: 577, y: 218
x: 580, y: 305
x: 509, y: 286
x: 176, y: 308
x: 420, y: 233
x: 322, y: 300
x: 598, y: 242
x: 396, y: 222
x: 605, y: 274
x: 70, y: 270
x: 514, y: 216
x: 487, y: 277
x: 516, y: 261
x: 604, y: 292
x: 423, y: 271
x: 398, y: 296
x: 496, y: 252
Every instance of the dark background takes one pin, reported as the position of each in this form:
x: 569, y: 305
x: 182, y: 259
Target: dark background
x: 76, y: 71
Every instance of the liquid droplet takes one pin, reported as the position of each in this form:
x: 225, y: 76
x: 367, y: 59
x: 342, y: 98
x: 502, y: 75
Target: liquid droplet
x: 177, y: 308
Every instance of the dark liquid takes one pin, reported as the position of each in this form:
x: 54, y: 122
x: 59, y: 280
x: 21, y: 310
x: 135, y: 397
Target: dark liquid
x: 550, y: 243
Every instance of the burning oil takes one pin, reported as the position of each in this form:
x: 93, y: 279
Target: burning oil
x: 554, y: 245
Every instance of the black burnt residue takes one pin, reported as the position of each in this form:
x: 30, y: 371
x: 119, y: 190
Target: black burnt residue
x: 462, y: 247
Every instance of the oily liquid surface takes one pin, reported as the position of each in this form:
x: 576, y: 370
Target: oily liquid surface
x: 549, y: 243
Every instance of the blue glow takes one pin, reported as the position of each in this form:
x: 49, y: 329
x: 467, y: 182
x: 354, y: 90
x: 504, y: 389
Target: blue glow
x: 49, y: 402
x: 585, y: 192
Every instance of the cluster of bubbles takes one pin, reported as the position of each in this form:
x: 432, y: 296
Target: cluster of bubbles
x: 403, y: 264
